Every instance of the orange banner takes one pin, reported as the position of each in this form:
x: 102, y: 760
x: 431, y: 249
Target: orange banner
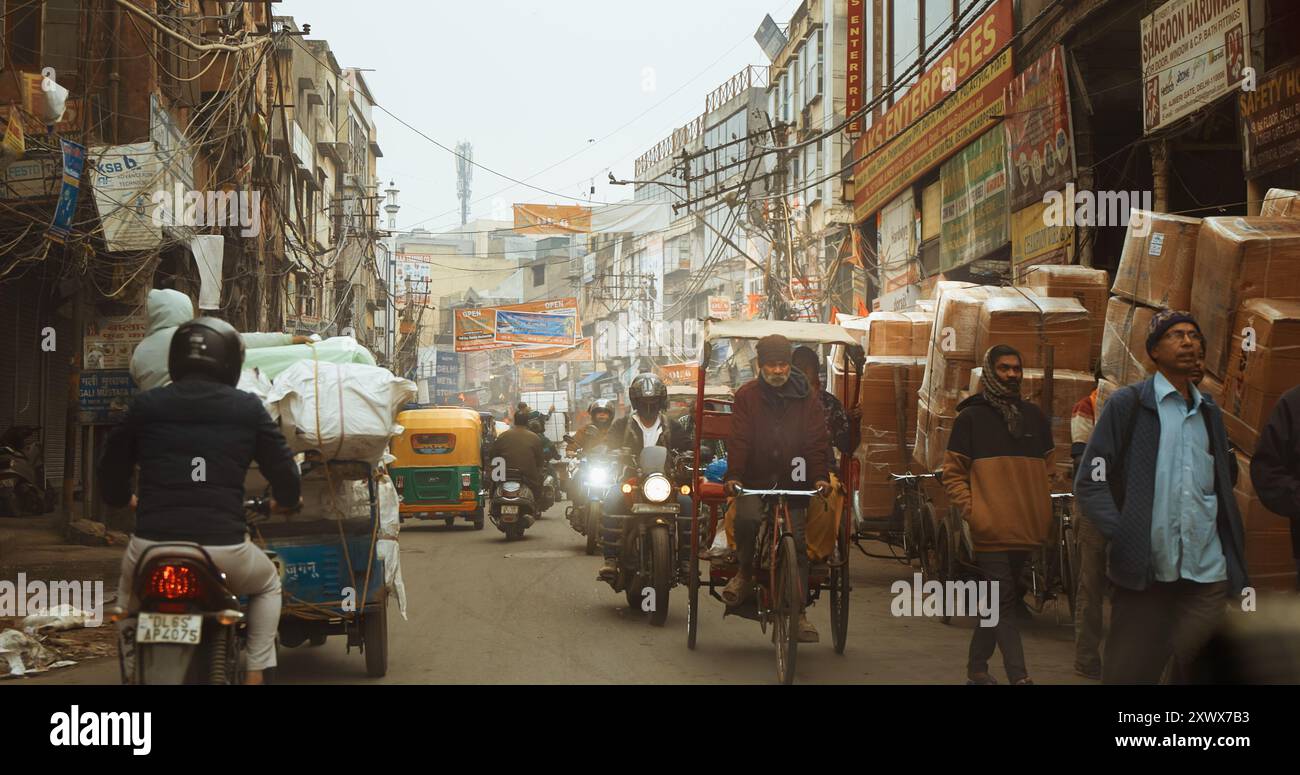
x: 552, y: 219
x: 475, y: 329
x: 679, y: 373
x: 583, y: 351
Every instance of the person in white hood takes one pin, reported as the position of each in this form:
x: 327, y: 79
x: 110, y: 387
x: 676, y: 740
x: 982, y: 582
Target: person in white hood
x: 167, y: 310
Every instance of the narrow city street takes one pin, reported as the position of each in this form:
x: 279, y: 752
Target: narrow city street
x: 485, y: 611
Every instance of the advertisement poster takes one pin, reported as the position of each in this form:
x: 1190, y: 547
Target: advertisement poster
x: 534, y: 328
x: 107, y: 343
x: 1033, y: 243
x: 896, y: 244
x: 105, y: 396
x: 1270, y: 121
x: 974, y: 191
x: 1193, y: 52
x: 583, y: 351
x: 475, y: 329
x: 720, y: 307
x: 679, y: 373
x: 1040, y: 145
x: 124, y: 180
x: 74, y: 163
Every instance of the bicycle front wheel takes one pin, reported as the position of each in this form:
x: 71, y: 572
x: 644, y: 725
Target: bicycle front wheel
x: 787, y: 607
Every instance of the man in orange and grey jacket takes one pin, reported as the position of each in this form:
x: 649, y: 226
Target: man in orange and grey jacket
x: 997, y: 473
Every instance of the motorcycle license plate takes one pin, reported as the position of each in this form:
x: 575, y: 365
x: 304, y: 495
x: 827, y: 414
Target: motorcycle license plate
x: 509, y: 509
x: 169, y: 628
x: 654, y: 508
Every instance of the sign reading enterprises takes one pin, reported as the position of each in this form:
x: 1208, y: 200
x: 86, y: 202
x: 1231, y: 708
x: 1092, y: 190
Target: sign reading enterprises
x: 953, y: 102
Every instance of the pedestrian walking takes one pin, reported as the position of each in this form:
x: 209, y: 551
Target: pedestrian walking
x: 1275, y: 468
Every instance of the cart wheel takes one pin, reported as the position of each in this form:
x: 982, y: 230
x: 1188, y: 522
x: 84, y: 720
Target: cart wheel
x: 374, y: 640
x: 786, y: 625
x: 478, y: 518
x: 593, y: 527
x: 840, y: 602
x: 692, y: 600
x: 929, y: 542
x: 944, y: 559
x: 661, y: 573
x: 1069, y: 556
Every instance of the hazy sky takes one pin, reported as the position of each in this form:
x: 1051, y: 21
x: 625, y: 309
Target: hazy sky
x: 529, y: 84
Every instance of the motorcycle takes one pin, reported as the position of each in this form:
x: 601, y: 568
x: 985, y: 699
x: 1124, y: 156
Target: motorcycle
x: 648, y: 554
x: 513, y: 508
x: 184, y: 625
x: 23, y: 489
x: 590, y: 478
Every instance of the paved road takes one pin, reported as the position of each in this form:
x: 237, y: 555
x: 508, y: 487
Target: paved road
x: 482, y: 610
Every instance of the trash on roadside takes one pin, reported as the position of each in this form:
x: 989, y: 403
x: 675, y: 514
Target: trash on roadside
x: 23, y: 654
x: 61, y: 617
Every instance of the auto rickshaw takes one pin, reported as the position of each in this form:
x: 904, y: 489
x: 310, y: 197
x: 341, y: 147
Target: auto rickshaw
x: 439, y: 466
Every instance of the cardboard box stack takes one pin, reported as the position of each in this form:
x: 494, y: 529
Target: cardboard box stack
x: 1104, y: 389
x: 880, y: 453
x: 1124, y: 358
x: 1090, y: 287
x: 1032, y: 323
x: 1261, y: 367
x: 1156, y: 264
x: 1068, y: 387
x: 1241, y: 258
x: 949, y: 360
x: 1281, y: 203
x: 1268, y: 537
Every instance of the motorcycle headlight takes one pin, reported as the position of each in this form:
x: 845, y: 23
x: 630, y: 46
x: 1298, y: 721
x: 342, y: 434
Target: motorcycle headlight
x: 657, y: 488
x: 598, y: 476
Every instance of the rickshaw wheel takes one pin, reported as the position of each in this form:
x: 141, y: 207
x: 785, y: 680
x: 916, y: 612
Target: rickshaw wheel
x: 692, y: 601
x: 478, y: 518
x: 450, y: 521
x: 840, y: 601
x: 786, y: 624
x: 1069, y: 556
x: 943, y: 560
x: 929, y: 550
x: 374, y: 639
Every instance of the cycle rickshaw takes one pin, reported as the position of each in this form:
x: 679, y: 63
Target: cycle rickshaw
x: 776, y: 600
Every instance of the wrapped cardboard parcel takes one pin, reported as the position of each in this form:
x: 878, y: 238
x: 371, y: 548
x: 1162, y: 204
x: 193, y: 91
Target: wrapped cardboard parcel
x: 1156, y: 265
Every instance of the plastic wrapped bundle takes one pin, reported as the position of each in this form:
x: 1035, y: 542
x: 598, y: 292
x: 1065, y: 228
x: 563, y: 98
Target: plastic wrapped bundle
x: 272, y: 361
x: 343, y: 411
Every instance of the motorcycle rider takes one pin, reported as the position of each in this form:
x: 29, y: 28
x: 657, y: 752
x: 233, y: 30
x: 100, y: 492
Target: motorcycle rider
x: 193, y: 440
x: 646, y: 426
x: 520, y: 449
x: 595, y: 433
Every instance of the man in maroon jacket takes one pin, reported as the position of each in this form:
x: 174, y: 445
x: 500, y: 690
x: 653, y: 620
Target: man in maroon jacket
x: 778, y: 441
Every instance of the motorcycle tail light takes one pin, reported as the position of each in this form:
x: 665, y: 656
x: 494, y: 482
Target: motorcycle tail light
x: 173, y: 582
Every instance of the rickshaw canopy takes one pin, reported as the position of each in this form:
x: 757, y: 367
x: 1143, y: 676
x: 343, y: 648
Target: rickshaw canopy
x: 441, y: 436
x: 822, y: 333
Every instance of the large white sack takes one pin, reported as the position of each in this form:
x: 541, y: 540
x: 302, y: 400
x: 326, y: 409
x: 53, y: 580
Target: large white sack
x: 356, y: 406
x: 255, y: 382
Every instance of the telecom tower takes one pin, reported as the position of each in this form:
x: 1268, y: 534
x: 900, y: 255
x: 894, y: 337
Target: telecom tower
x: 464, y: 174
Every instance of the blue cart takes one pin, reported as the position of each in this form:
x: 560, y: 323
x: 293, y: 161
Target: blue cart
x: 330, y: 572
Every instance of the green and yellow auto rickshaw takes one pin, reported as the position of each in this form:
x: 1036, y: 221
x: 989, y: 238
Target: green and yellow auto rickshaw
x: 439, y: 466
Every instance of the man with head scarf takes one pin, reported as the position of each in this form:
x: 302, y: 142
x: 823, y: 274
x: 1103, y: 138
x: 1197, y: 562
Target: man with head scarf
x: 778, y: 441
x: 1156, y: 480
x: 997, y: 473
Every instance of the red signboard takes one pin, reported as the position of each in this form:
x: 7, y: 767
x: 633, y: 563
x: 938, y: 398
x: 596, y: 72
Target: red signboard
x: 856, y: 83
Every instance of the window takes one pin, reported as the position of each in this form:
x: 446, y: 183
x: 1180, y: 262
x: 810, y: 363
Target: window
x: 938, y: 23
x: 432, y: 443
x: 331, y: 104
x: 799, y: 64
x: 905, y: 24
x: 785, y: 96
x: 773, y: 101
x: 306, y: 296
x: 819, y: 66
x: 812, y: 171
x: 539, y: 275
x: 23, y: 34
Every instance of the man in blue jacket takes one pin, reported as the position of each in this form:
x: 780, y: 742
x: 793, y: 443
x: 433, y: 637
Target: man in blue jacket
x: 1156, y: 480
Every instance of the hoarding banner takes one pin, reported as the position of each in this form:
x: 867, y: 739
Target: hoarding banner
x: 1033, y: 244
x: 974, y: 190
x: 1270, y: 121
x: 535, y: 328
x: 584, y: 350
x: 125, y: 177
x: 679, y: 373
x: 896, y: 244
x: 890, y: 161
x: 1040, y: 145
x: 720, y: 307
x: 475, y: 329
x: 109, y: 341
x: 74, y: 163
x: 854, y: 73
x: 552, y: 219
x: 1193, y: 52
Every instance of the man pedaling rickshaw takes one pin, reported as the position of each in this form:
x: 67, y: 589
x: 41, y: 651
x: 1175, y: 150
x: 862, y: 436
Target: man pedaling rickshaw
x: 779, y: 440
x: 646, y: 426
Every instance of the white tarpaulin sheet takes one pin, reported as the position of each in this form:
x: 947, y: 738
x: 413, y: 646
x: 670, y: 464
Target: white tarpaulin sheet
x: 209, y: 251
x: 634, y: 217
x: 346, y: 411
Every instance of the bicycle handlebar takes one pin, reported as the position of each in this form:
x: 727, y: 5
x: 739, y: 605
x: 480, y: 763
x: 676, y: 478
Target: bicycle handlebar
x: 747, y: 491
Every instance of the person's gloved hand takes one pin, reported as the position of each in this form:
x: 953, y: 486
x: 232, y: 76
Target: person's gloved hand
x: 823, y: 487
x: 731, y: 486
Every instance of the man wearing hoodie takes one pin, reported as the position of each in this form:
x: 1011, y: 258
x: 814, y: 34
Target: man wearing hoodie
x: 1275, y: 468
x: 168, y: 309
x: 778, y: 441
x: 997, y: 473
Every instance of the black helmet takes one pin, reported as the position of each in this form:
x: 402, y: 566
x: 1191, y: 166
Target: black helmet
x: 601, y: 405
x: 647, y: 394
x: 206, y: 347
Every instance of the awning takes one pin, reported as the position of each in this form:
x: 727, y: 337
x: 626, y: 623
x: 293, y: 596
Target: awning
x: 594, y: 377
